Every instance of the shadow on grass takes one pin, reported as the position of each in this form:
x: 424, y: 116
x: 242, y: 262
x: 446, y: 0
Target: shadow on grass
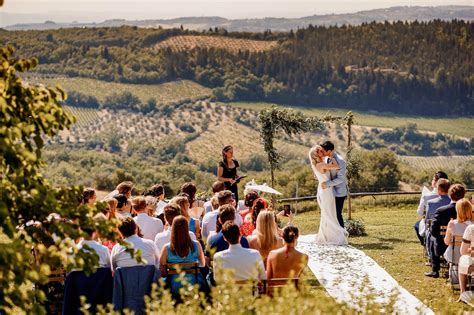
x: 396, y: 240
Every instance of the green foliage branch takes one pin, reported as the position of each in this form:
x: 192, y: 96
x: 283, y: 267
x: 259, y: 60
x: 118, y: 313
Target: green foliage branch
x: 38, y: 222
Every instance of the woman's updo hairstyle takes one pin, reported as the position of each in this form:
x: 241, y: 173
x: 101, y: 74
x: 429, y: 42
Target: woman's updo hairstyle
x: 250, y: 197
x: 290, y: 234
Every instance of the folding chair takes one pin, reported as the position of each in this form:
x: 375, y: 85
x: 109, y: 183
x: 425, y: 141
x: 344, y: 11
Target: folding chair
x: 453, y: 266
x: 444, y: 265
x: 278, y: 283
x: 258, y: 287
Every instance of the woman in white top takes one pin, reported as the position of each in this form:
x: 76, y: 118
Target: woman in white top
x: 457, y: 228
x: 465, y: 261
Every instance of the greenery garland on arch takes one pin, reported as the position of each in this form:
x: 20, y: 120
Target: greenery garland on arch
x: 275, y: 120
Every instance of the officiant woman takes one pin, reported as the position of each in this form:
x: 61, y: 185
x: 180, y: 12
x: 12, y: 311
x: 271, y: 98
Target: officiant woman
x: 227, y: 171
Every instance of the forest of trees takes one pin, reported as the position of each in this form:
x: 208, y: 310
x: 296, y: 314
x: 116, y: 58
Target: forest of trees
x: 412, y: 68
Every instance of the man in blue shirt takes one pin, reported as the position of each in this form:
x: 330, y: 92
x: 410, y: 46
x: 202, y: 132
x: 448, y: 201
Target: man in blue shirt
x: 433, y: 205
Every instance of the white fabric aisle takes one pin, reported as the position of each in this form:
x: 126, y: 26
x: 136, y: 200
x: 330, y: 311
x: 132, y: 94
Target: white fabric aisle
x: 342, y: 270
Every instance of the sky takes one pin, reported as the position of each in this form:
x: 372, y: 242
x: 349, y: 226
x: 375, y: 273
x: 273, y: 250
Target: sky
x: 99, y: 10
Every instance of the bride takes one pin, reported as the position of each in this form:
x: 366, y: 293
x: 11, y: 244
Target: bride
x: 330, y: 232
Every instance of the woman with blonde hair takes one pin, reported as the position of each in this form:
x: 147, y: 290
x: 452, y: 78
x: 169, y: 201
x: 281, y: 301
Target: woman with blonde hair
x: 182, y: 201
x: 457, y: 228
x: 266, y: 239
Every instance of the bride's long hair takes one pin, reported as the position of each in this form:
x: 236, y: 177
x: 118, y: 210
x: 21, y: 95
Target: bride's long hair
x: 313, y: 156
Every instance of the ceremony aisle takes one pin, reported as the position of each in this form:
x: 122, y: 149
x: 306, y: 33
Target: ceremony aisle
x: 348, y: 275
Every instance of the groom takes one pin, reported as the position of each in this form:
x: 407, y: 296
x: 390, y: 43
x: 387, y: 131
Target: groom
x: 338, y: 180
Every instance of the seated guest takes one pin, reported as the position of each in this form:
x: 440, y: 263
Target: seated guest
x: 196, y: 207
x: 441, y: 218
x: 210, y: 219
x: 151, y: 206
x: 121, y: 258
x: 157, y: 191
x: 111, y: 213
x: 88, y: 197
x: 266, y: 239
x: 287, y: 262
x: 124, y: 206
x: 433, y: 205
x: 216, y: 188
x: 171, y: 211
x: 90, y: 240
x: 149, y: 226
x: 250, y: 219
x: 181, y: 249
x: 216, y: 243
x: 245, y: 263
x: 246, y: 204
x: 457, y: 228
x: 183, y: 202
x: 465, y: 262
x: 421, y: 211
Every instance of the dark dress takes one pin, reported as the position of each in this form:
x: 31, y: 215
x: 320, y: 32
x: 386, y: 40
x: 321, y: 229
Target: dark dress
x: 231, y: 173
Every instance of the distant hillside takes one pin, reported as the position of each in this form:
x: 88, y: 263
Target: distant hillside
x: 402, y: 13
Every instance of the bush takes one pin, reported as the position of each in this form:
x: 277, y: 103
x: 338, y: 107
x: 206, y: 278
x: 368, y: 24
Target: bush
x: 355, y: 227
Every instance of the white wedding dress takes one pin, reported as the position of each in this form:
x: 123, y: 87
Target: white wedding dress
x: 330, y: 232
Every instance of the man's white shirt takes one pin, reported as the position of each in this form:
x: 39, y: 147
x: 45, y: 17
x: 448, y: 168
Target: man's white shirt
x: 121, y: 258
x: 244, y: 262
x: 99, y: 249
x: 148, y: 225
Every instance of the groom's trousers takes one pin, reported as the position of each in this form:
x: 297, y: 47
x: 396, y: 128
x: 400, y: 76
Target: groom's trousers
x: 339, y: 207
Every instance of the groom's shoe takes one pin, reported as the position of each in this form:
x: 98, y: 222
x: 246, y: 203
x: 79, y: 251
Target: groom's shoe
x: 432, y: 274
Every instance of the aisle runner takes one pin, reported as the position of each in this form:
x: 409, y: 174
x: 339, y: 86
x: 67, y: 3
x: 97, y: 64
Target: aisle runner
x: 344, y: 269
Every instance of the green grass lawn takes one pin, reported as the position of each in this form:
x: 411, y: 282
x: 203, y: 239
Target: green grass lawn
x: 392, y: 243
x: 163, y: 93
x: 463, y: 127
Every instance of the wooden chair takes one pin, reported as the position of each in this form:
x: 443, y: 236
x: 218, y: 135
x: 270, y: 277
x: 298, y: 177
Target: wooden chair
x: 455, y: 243
x: 444, y: 265
x: 179, y: 268
x: 428, y: 223
x: 278, y: 283
x: 258, y: 287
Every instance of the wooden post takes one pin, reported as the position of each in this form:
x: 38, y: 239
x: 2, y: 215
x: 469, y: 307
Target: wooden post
x: 349, y: 146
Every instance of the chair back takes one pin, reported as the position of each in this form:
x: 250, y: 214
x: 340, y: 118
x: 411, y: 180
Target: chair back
x: 179, y: 268
x: 131, y: 284
x: 258, y: 287
x: 97, y: 288
x: 442, y: 230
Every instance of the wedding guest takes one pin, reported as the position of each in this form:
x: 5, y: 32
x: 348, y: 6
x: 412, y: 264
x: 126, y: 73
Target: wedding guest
x: 88, y: 196
x: 287, y: 262
x: 216, y: 243
x: 217, y: 187
x: 266, y: 239
x: 456, y: 228
x: 245, y: 263
x: 250, y: 196
x: 149, y: 226
x: 465, y: 261
x: 124, y: 206
x: 158, y: 192
x: 433, y: 205
x: 227, y: 171
x: 111, y: 210
x: 181, y: 249
x: 121, y: 258
x: 151, y: 206
x: 196, y: 207
x: 421, y: 211
x: 90, y: 240
x: 210, y: 219
x: 171, y: 211
x: 250, y: 218
x: 125, y: 188
x: 182, y: 201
